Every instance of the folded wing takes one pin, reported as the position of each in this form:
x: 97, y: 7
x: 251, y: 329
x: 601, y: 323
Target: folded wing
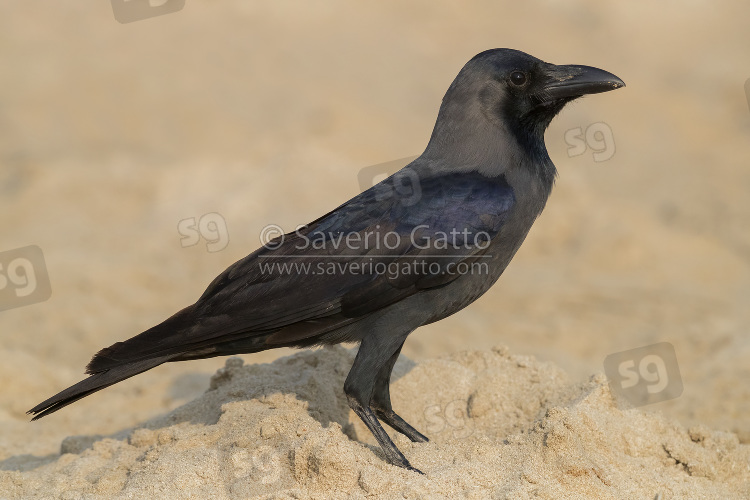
x: 377, y: 249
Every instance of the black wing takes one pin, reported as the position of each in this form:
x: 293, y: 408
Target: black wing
x: 336, y: 270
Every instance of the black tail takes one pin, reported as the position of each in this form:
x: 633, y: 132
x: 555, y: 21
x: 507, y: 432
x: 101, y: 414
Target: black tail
x: 92, y: 384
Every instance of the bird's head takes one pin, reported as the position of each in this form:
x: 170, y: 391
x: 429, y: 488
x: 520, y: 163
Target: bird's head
x: 514, y: 86
x: 503, y: 92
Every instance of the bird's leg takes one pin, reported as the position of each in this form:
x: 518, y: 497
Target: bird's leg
x: 381, y: 403
x: 374, y: 353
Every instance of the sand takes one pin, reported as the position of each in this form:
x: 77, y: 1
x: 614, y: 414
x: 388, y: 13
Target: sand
x: 265, y: 113
x: 501, y: 426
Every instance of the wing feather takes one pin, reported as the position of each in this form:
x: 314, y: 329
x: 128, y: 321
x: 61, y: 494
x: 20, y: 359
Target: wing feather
x: 288, y: 294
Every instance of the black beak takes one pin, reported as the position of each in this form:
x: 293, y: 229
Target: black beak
x: 576, y: 81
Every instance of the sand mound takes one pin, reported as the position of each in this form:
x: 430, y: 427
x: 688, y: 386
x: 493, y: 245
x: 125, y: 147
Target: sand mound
x: 501, y: 426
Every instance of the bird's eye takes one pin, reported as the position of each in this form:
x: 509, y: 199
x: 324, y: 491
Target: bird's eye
x: 518, y: 78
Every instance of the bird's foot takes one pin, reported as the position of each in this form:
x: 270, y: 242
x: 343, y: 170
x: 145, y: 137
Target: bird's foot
x: 399, y: 424
x: 401, y: 461
x: 415, y: 470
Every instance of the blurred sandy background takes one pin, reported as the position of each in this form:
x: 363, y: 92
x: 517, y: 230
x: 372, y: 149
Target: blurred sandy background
x: 264, y: 112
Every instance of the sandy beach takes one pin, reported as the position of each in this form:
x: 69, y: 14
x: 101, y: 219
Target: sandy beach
x: 117, y: 140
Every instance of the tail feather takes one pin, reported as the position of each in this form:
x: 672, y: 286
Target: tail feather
x: 93, y: 384
x: 166, y: 336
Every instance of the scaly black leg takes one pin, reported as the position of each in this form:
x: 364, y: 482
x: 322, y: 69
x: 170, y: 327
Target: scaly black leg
x: 375, y: 352
x: 381, y: 403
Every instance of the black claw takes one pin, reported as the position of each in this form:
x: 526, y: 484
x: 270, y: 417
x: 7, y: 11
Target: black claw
x: 400, y: 425
x: 415, y: 470
x: 404, y: 464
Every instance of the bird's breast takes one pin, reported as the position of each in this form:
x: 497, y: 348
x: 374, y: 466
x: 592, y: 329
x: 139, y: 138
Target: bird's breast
x: 530, y: 198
